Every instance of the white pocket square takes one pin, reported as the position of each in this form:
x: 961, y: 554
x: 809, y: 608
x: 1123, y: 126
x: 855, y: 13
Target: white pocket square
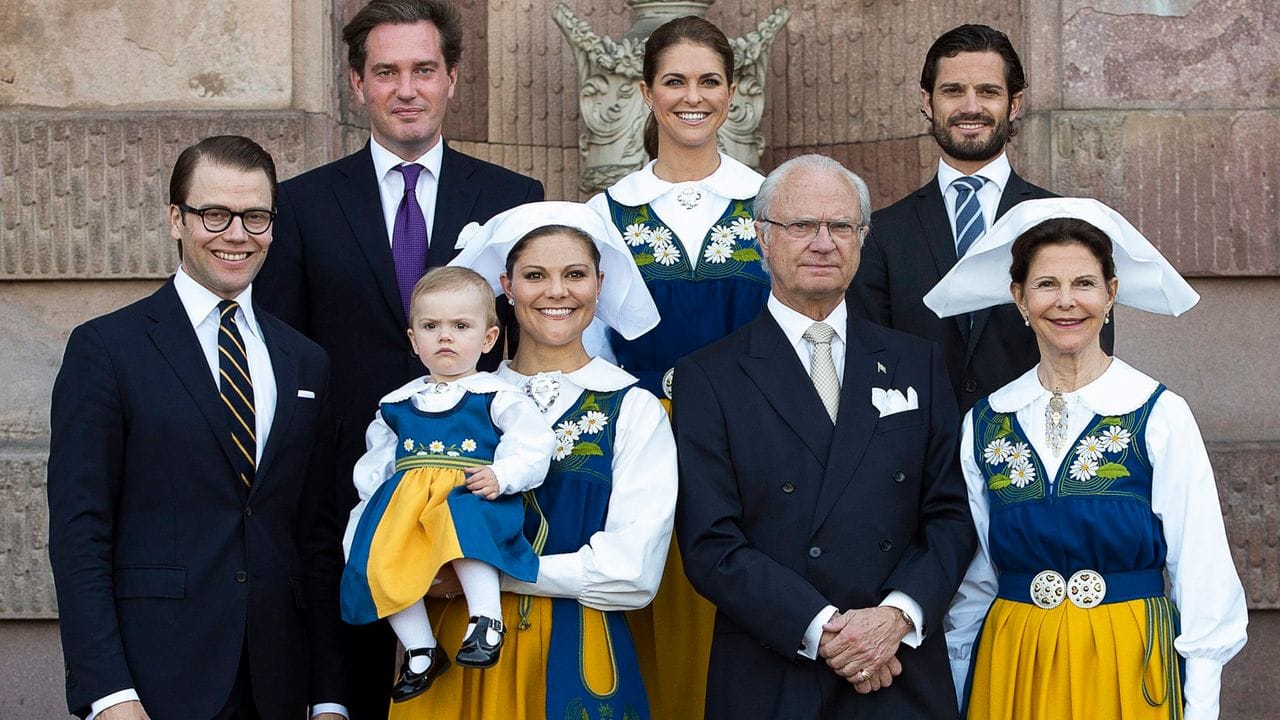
x: 890, y: 401
x: 306, y: 394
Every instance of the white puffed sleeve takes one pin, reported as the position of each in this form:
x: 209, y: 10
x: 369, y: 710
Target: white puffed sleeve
x: 524, y: 452
x: 621, y: 566
x: 371, y: 470
x: 978, y: 589
x: 1205, y: 586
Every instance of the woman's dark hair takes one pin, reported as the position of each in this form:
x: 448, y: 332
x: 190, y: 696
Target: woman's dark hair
x: 688, y: 29
x: 545, y: 231
x: 1060, y: 231
x: 232, y: 151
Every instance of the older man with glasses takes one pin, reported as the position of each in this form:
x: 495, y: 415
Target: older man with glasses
x: 821, y: 504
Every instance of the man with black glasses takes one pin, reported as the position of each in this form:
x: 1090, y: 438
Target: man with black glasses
x: 192, y: 533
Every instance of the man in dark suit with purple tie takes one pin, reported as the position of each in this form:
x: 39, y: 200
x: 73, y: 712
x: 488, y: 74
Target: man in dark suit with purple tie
x: 355, y: 235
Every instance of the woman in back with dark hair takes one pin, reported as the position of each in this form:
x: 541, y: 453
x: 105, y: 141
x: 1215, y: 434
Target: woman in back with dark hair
x: 687, y: 218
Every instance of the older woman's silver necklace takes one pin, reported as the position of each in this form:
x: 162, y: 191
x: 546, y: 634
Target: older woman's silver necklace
x: 1055, y: 423
x: 543, y: 389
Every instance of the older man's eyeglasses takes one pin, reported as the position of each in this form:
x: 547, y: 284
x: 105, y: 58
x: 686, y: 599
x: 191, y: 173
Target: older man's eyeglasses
x: 808, y: 229
x: 217, y: 219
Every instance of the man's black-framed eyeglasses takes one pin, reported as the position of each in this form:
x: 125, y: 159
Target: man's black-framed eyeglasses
x: 808, y: 229
x: 217, y: 219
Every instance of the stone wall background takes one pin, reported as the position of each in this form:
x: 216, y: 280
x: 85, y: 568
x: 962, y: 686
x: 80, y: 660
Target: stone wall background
x: 1167, y: 109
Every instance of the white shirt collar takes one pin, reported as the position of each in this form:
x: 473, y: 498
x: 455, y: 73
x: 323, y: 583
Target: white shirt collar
x: 599, y: 375
x: 198, y: 301
x: 384, y: 160
x: 1120, y: 389
x: 481, y: 382
x: 731, y: 180
x: 995, y: 172
x: 794, y: 324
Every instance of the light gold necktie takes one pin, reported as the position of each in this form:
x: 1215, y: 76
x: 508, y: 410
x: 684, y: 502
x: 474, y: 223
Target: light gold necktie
x: 822, y: 368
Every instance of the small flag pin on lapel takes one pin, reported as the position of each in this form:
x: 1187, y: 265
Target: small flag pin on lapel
x: 880, y: 368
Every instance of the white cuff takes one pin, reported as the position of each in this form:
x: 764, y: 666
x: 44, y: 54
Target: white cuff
x: 902, y: 601
x: 321, y: 708
x: 115, y: 698
x: 1201, y: 689
x: 813, y: 634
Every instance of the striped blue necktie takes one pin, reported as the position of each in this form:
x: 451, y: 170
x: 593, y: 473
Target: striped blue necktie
x: 969, y: 222
x: 236, y: 387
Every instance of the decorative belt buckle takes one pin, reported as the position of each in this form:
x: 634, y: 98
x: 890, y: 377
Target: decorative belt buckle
x: 1086, y: 589
x: 1047, y: 590
x: 668, y: 382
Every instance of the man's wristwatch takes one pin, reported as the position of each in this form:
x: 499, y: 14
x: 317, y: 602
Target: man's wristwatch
x: 911, y: 625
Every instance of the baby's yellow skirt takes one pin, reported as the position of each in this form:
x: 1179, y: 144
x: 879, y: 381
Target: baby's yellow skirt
x: 1111, y: 662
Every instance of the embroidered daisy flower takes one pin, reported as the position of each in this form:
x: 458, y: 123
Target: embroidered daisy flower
x: 1090, y: 447
x: 564, y: 446
x: 660, y: 235
x: 1115, y: 439
x: 665, y: 253
x: 1020, y: 454
x: 436, y: 446
x: 722, y: 234
x: 1084, y: 468
x: 408, y: 445
x: 568, y: 431
x: 997, y: 451
x: 593, y: 422
x: 744, y: 228
x: 718, y: 252
x: 1021, y: 474
x: 468, y: 445
x: 636, y: 234
x: 454, y: 453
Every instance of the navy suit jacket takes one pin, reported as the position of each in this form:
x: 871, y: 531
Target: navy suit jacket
x: 781, y: 513
x: 164, y: 564
x: 330, y: 274
x: 910, y: 247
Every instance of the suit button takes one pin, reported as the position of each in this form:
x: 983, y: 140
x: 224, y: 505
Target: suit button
x: 248, y: 511
x: 970, y: 386
x: 815, y: 552
x: 242, y: 576
x: 899, y: 476
x: 886, y: 546
x: 788, y: 487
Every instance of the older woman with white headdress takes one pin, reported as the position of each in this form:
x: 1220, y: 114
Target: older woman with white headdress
x: 1088, y: 482
x: 601, y: 522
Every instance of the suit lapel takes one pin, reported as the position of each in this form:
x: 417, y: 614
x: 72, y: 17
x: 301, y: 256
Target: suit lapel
x: 177, y: 342
x: 1015, y: 191
x: 773, y: 366
x: 362, y: 205
x: 856, y: 421
x: 935, y: 224
x: 284, y: 366
x: 455, y: 197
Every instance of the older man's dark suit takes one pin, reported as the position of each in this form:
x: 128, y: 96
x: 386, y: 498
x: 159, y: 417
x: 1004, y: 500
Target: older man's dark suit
x: 910, y: 247
x: 781, y: 514
x: 165, y: 564
x: 331, y: 275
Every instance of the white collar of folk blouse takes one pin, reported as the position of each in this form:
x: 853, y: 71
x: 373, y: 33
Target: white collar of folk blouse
x: 731, y: 180
x: 1119, y: 390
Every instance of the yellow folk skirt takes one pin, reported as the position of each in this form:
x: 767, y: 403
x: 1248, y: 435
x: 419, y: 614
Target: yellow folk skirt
x: 1113, y: 661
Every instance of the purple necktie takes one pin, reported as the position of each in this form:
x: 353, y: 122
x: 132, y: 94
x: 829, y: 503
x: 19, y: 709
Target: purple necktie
x: 409, y: 238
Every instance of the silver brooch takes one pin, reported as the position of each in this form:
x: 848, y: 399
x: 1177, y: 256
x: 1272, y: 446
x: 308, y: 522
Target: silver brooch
x: 543, y: 389
x: 437, y: 388
x: 668, y: 382
x: 689, y: 197
x: 1055, y: 422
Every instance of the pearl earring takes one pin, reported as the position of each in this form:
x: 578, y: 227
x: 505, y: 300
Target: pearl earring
x: 511, y: 301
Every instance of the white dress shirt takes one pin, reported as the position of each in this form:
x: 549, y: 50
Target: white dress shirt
x: 621, y: 565
x: 391, y: 183
x: 996, y: 173
x: 794, y: 325
x: 519, y: 462
x: 201, y: 306
x: 1203, y: 581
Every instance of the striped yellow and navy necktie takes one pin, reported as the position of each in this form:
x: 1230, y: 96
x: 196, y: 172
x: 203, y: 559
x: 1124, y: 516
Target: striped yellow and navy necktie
x: 236, y: 387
